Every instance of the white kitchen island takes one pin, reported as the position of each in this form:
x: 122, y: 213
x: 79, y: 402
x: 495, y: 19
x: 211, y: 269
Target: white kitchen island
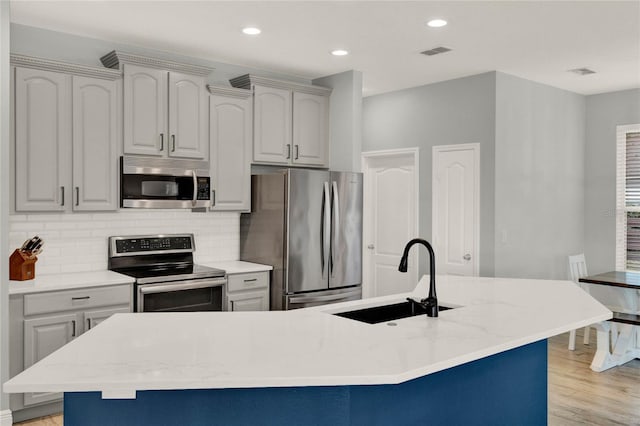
x: 484, y: 362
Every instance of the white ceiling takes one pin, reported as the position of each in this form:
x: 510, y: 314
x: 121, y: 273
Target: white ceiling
x: 537, y: 40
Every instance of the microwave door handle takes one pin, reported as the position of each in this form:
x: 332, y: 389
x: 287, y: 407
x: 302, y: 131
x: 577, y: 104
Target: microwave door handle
x: 195, y: 188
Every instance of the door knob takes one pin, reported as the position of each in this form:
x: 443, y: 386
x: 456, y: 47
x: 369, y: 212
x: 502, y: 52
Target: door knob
x: 467, y: 256
x: 370, y: 246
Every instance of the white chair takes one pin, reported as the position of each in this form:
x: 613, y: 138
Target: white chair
x: 578, y: 269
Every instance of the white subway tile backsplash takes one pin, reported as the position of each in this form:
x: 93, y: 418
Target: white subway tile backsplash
x: 77, y: 242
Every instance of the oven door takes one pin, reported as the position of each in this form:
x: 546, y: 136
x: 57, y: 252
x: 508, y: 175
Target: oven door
x: 182, y: 296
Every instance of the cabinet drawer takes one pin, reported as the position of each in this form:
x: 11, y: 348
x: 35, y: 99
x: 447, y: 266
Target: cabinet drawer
x: 67, y: 300
x: 248, y: 281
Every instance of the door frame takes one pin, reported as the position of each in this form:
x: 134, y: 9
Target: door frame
x: 366, y: 156
x: 475, y: 147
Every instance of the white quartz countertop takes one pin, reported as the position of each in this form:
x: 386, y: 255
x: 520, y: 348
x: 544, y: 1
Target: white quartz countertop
x: 307, y: 347
x: 239, y: 267
x: 54, y: 282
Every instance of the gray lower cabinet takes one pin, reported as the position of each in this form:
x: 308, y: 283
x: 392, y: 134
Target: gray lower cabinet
x: 41, y: 323
x: 248, y: 292
x: 43, y: 336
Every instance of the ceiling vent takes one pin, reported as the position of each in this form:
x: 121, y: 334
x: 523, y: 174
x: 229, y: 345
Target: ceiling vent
x: 582, y: 71
x: 436, y: 51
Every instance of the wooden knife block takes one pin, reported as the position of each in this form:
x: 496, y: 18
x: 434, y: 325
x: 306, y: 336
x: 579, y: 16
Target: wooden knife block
x: 22, y: 266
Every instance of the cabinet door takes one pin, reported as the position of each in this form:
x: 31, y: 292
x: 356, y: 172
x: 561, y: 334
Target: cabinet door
x: 43, y: 336
x: 187, y: 116
x: 95, y: 317
x: 145, y: 110
x: 248, y: 301
x: 272, y: 125
x: 94, y: 144
x: 310, y: 129
x: 230, y: 136
x: 43, y: 140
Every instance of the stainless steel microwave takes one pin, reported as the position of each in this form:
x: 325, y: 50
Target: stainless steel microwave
x: 164, y: 183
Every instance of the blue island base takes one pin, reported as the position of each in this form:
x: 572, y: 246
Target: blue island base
x: 509, y: 388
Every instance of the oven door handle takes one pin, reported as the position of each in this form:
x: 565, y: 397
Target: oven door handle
x: 180, y: 285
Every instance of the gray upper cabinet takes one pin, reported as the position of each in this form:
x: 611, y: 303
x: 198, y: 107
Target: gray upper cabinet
x: 310, y: 129
x: 272, y: 125
x: 230, y: 149
x: 95, y: 142
x: 187, y: 116
x: 165, y: 106
x: 66, y: 135
x: 42, y: 137
x: 145, y: 110
x: 291, y: 121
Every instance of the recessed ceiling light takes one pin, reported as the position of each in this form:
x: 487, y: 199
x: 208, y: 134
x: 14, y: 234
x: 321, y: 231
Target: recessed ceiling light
x: 437, y: 23
x: 251, y: 31
x: 339, y: 52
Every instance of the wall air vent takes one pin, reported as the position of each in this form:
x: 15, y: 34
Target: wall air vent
x: 436, y: 51
x: 582, y: 71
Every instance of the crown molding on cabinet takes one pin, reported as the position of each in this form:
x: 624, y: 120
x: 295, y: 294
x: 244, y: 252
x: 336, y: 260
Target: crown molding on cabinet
x: 64, y: 67
x: 247, y: 81
x: 229, y: 91
x: 116, y: 58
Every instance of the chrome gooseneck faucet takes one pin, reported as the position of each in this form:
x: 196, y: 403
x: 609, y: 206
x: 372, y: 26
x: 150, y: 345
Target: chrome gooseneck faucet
x: 431, y: 302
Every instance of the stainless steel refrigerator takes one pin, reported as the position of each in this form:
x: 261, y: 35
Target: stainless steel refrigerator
x: 307, y: 224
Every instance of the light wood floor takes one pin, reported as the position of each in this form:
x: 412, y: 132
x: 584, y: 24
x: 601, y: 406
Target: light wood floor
x: 577, y: 395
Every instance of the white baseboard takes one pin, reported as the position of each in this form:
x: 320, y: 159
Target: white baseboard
x: 5, y: 418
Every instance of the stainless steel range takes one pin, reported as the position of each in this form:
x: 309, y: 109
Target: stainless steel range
x: 167, y: 280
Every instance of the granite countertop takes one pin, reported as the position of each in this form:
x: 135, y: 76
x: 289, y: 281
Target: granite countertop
x: 239, y: 267
x: 311, y: 347
x: 54, y: 282
x: 67, y: 281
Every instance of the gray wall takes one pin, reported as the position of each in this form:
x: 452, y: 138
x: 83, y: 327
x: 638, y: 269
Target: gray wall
x: 604, y: 113
x: 539, y: 193
x: 4, y: 205
x: 452, y: 112
x: 87, y: 51
x: 345, y: 119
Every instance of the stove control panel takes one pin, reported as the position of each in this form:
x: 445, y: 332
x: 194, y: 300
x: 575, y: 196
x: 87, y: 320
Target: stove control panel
x: 122, y: 246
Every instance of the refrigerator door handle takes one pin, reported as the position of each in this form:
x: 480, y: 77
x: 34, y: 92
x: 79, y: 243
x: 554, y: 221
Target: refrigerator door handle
x: 324, y: 232
x: 335, y: 222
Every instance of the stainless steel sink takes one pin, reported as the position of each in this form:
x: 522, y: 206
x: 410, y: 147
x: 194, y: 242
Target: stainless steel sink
x: 386, y: 313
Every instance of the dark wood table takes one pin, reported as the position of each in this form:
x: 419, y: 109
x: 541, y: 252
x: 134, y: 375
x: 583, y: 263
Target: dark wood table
x: 624, y: 335
x: 615, y: 279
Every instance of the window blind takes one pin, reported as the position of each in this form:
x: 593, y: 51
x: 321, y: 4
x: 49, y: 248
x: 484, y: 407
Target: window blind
x: 632, y: 199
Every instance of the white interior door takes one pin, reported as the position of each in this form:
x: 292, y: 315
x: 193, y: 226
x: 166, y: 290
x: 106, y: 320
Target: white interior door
x: 390, y: 220
x: 456, y: 187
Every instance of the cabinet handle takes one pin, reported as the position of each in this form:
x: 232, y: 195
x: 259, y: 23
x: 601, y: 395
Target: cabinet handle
x: 81, y: 298
x: 288, y: 151
x: 161, y: 141
x: 73, y: 330
x: 77, y: 195
x: 251, y: 280
x: 173, y: 143
x: 213, y: 197
x: 231, y: 305
x: 297, y: 151
x: 62, y: 195
x: 88, y: 323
